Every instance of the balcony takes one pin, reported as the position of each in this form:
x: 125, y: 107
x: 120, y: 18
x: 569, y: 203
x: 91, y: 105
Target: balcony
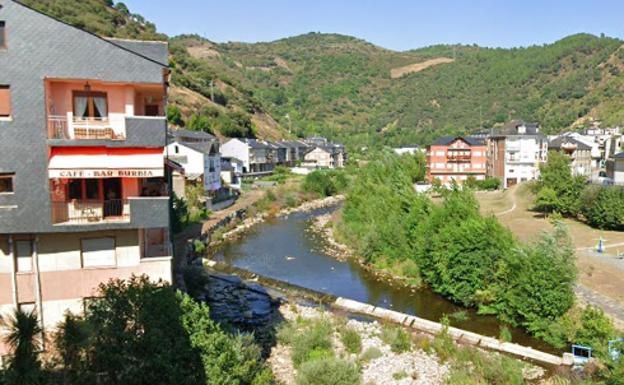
x: 133, y: 212
x: 458, y: 157
x: 115, y: 131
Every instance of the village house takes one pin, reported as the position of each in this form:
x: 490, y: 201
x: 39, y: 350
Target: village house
x: 578, y: 152
x: 455, y: 159
x: 83, y: 190
x: 329, y: 155
x: 407, y: 149
x: 258, y: 157
x: 198, y: 154
x: 515, y: 153
x: 231, y: 172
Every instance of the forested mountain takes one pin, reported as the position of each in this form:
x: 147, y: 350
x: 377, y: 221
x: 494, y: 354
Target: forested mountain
x: 351, y: 90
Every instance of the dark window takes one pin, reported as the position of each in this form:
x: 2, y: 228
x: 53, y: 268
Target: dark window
x: 92, y: 189
x: 6, y: 183
x: 3, y: 38
x: 5, y: 101
x: 75, y: 189
x: 152, y: 110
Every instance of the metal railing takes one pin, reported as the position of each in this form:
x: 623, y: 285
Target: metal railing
x: 64, y: 127
x: 90, y: 211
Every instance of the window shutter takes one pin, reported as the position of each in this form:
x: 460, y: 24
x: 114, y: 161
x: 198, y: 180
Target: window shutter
x: 5, y: 101
x: 98, y: 252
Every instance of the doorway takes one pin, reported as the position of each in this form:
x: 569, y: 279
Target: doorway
x: 113, y: 204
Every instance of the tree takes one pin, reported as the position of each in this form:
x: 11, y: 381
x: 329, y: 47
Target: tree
x: 546, y: 200
x: 23, y: 338
x: 606, y: 209
x: 174, y: 115
x: 557, y: 175
x: 199, y: 123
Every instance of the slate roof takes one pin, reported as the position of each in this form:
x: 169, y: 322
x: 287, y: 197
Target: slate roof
x: 511, y: 128
x: 558, y: 142
x: 256, y: 144
x: 199, y: 135
x: 155, y: 50
x: 446, y: 140
x: 203, y: 147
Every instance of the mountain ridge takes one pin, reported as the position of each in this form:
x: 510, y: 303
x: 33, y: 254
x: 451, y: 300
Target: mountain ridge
x: 341, y: 86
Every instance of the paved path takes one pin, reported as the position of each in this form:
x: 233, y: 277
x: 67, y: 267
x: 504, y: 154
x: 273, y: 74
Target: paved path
x: 611, y: 307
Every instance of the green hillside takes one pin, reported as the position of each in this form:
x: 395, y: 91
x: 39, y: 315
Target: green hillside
x: 354, y: 91
x: 341, y: 86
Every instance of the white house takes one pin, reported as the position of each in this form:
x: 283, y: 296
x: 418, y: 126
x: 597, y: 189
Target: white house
x: 231, y: 172
x: 615, y: 169
x: 257, y: 156
x: 516, y: 153
x: 198, y: 154
x: 407, y: 149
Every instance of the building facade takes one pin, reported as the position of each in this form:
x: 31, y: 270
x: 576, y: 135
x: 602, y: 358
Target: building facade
x: 258, y: 157
x: 83, y: 192
x: 455, y: 159
x: 581, y: 161
x: 198, y: 153
x: 514, y: 154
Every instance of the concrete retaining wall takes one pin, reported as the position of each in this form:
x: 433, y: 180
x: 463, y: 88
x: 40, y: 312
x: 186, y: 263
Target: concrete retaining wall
x: 459, y: 335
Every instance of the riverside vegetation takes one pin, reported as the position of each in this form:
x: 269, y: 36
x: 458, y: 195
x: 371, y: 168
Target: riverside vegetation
x: 560, y: 192
x: 468, y: 258
x: 137, y: 332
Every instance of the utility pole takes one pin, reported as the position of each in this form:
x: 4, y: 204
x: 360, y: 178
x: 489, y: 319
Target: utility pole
x: 212, y: 90
x: 454, y: 52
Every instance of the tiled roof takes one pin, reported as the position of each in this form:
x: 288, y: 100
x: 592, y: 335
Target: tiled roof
x: 561, y: 140
x: 446, y: 140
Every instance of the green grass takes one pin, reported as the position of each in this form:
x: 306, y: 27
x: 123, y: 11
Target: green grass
x: 351, y: 340
x: 398, y: 339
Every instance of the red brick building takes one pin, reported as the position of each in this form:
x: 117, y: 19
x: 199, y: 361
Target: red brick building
x: 456, y: 158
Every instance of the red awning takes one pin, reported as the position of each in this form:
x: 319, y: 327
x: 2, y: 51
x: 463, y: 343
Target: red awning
x: 101, y: 162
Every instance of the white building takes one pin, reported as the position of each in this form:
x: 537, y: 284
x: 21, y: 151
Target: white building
x: 516, y: 153
x: 257, y: 156
x: 407, y: 149
x: 231, y: 172
x: 198, y: 154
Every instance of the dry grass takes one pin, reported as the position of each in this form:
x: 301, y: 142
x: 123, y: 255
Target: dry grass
x: 527, y: 225
x: 417, y: 67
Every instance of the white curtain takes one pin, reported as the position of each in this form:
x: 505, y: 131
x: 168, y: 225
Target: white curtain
x: 80, y: 103
x: 100, y: 105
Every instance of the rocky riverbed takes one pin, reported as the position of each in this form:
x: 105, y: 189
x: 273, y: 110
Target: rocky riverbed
x: 410, y: 368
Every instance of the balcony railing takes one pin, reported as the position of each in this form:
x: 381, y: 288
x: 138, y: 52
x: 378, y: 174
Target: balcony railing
x: 458, y: 157
x: 90, y: 211
x: 70, y: 128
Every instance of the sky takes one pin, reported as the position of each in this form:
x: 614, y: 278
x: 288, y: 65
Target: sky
x: 394, y: 24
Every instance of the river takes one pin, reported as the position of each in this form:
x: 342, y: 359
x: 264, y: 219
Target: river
x: 287, y: 249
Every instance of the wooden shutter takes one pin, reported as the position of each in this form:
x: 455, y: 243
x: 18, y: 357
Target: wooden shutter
x: 5, y: 101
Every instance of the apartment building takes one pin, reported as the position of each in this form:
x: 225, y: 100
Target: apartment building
x: 580, y: 154
x: 456, y: 158
x: 515, y: 153
x: 83, y: 190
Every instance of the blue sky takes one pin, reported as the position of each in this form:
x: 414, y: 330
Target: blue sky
x: 394, y: 24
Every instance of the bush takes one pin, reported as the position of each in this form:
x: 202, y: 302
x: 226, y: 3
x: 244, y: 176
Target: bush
x: 328, y: 371
x: 604, y: 207
x: 351, y: 340
x: 320, y: 183
x: 370, y: 354
x: 398, y: 339
x: 313, y: 342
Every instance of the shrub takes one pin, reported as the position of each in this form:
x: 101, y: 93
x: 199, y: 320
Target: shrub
x: 351, y: 340
x: 328, y: 371
x: 398, y: 339
x: 320, y: 183
x: 313, y: 342
x: 443, y: 343
x: 370, y: 354
x: 604, y: 208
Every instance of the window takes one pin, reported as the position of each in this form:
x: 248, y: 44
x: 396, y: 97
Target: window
x: 90, y: 105
x: 3, y: 38
x: 84, y: 189
x: 5, y: 101
x: 6, y: 183
x: 98, y: 252
x: 24, y: 256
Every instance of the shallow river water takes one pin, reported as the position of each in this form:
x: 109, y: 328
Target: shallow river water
x: 286, y: 249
